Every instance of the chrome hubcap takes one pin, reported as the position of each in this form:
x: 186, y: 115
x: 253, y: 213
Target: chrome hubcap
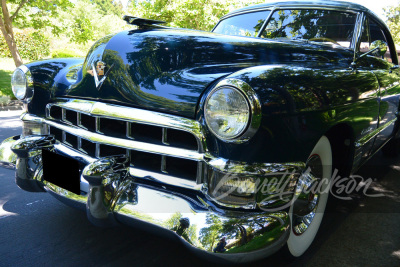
x: 307, y: 196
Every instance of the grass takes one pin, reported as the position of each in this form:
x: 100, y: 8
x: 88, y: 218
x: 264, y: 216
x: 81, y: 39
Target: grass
x: 7, y: 67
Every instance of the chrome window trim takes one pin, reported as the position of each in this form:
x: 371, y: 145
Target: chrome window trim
x: 358, y: 31
x: 275, y: 8
x: 283, y: 7
x: 251, y: 11
x: 266, y: 22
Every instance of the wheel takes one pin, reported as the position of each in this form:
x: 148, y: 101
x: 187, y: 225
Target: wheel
x: 308, y: 208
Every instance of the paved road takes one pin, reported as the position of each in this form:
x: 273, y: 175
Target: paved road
x: 36, y: 229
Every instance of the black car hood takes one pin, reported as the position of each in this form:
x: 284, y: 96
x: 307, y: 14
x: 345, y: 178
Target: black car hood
x: 167, y: 70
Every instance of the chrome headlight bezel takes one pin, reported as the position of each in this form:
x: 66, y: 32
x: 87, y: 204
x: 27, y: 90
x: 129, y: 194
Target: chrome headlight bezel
x: 72, y: 75
x: 26, y: 95
x: 253, y: 104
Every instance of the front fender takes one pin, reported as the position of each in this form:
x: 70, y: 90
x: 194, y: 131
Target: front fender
x: 300, y: 104
x: 49, y: 81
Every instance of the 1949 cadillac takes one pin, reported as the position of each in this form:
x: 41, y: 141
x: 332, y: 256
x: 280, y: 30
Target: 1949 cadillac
x: 227, y: 139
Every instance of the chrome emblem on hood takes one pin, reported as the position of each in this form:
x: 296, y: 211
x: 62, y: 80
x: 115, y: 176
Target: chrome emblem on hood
x: 99, y: 73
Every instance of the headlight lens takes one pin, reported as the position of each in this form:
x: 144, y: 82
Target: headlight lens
x: 227, y: 112
x: 19, y: 84
x: 22, y: 84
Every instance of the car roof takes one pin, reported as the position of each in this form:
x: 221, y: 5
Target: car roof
x: 332, y: 4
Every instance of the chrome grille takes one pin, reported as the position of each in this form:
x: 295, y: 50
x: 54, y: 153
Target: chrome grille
x: 123, y: 129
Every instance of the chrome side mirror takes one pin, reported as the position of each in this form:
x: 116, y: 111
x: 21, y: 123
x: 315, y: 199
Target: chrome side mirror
x: 378, y: 48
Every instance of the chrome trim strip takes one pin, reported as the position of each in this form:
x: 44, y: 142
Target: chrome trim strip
x: 357, y: 34
x: 135, y: 115
x: 266, y: 23
x: 134, y: 172
x: 163, y: 164
x: 292, y: 5
x: 366, y: 138
x: 129, y: 130
x: 164, y: 178
x: 124, y: 143
x: 132, y: 207
x: 221, y: 164
x: 128, y: 144
x: 227, y: 166
x: 165, y: 136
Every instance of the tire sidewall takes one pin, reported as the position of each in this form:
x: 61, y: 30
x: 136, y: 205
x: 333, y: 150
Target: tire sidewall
x: 298, y: 244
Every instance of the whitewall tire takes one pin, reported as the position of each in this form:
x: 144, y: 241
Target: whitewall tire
x: 304, y: 227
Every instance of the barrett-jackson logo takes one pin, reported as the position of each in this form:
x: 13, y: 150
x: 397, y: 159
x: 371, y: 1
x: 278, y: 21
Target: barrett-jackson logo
x: 99, y: 73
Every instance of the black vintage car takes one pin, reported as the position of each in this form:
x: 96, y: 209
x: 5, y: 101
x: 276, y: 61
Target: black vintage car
x: 228, y: 140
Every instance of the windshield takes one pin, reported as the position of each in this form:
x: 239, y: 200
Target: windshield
x: 325, y: 26
x: 314, y: 25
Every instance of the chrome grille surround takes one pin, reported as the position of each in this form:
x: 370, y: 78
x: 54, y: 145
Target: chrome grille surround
x: 67, y: 118
x: 205, y: 161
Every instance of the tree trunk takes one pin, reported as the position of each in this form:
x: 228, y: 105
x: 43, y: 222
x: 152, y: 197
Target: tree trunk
x: 243, y: 233
x: 8, y: 33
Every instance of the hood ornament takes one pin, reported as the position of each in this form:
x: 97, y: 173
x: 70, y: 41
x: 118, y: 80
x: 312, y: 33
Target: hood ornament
x: 99, y: 73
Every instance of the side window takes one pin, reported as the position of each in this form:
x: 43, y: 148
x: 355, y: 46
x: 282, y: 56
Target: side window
x: 244, y: 25
x: 373, y: 32
x: 325, y: 26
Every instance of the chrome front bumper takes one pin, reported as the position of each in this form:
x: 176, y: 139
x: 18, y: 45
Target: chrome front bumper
x: 112, y: 194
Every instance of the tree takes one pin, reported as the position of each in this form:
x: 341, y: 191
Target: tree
x: 88, y: 22
x: 209, y: 235
x: 33, y: 14
x: 191, y: 14
x: 109, y: 7
x: 393, y: 21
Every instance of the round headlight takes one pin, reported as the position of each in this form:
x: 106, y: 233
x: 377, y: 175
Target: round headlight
x: 21, y: 83
x: 227, y: 112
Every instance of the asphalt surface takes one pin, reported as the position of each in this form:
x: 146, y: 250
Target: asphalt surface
x: 36, y: 229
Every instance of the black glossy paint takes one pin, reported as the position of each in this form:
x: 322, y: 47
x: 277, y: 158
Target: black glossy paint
x: 168, y: 70
x: 49, y: 81
x: 306, y: 89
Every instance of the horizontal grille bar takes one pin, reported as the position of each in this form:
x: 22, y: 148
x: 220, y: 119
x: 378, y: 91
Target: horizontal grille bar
x: 153, y: 148
x: 181, y: 168
x: 128, y: 130
x: 190, y: 129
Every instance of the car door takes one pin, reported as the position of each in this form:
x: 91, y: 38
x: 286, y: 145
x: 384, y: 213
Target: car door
x: 384, y: 68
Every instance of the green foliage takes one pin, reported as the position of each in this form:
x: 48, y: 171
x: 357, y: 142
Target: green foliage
x: 82, y: 31
x: 192, y: 14
x: 36, y: 14
x: 63, y: 53
x: 32, y: 45
x: 209, y: 235
x: 109, y: 7
x: 5, y: 83
x: 6, y: 67
x: 88, y: 22
x: 393, y: 21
